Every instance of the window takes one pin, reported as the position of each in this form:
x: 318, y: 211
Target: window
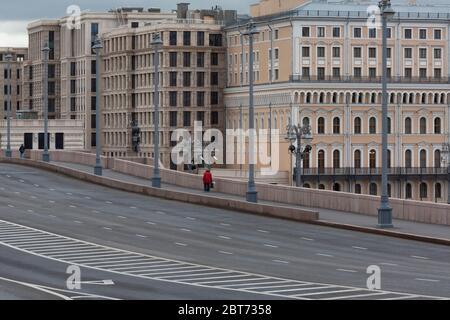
x: 437, y: 126
x: 173, y: 57
x: 389, y: 53
x: 93, y: 85
x: 320, y: 32
x: 408, y: 73
x: 215, y: 40
x: 389, y: 33
x: 173, y: 118
x: 201, y: 116
x: 408, y: 33
x: 187, y: 118
x: 437, y: 53
x: 422, y: 53
x: 173, y: 38
x: 173, y: 79
x: 321, y: 187
x: 214, y: 98
x: 186, y: 98
x: 373, y: 189
x: 358, y: 188
x: 357, y: 72
x: 357, y: 159
x: 357, y: 52
x: 408, y: 159
x: 372, y: 53
x: 93, y: 103
x: 336, y: 32
x: 186, y: 79
x: 305, y: 72
x: 200, y: 59
x: 321, y: 159
x: 186, y: 59
x: 173, y: 98
x: 200, y: 99
x: 214, y: 59
x: 73, y: 102
x: 372, y: 159
x: 423, y: 190
x: 336, y: 125
x: 200, y: 38
x: 336, y: 159
x: 422, y: 73
x: 437, y: 158
x: 372, y: 125
x: 214, y: 78
x: 336, y: 52
x: 372, y: 33
x: 186, y: 38
x: 423, y: 158
x: 357, y: 125
x: 336, y: 72
x: 321, y: 125
x: 372, y: 72
x: 357, y: 33
x: 214, y: 118
x: 408, y: 53
x: 437, y: 73
x: 422, y: 34
x: 200, y: 79
x: 423, y: 126
x: 408, y: 191
x: 305, y: 52
x: 320, y: 52
x: 437, y: 34
x: 73, y: 69
x: 321, y: 73
x: 305, y: 32
x: 408, y: 125
x: 438, y: 191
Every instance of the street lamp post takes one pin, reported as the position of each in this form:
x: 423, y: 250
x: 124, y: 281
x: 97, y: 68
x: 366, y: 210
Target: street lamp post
x: 156, y: 179
x: 295, y: 134
x: 45, y: 50
x: 97, y: 47
x: 252, y: 194
x: 385, y: 210
x: 8, y: 152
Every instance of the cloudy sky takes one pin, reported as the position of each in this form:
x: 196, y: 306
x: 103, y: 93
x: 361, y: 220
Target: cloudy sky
x: 16, y: 14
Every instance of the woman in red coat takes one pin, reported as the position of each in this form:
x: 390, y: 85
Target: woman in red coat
x: 207, y: 180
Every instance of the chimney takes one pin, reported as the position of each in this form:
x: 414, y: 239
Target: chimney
x: 182, y: 10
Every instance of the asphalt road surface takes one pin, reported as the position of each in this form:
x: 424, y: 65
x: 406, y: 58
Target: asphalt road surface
x: 130, y: 246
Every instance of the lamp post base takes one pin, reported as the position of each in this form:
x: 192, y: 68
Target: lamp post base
x: 46, y: 157
x: 156, y: 182
x: 385, y: 218
x: 98, y: 170
x: 8, y: 153
x: 252, y: 196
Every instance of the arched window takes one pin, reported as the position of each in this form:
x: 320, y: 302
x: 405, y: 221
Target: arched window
x: 373, y: 189
x: 423, y: 158
x: 306, y: 159
x: 357, y: 159
x: 336, y: 125
x: 336, y: 187
x: 321, y: 159
x: 408, y: 159
x: 437, y: 191
x: 423, y: 125
x: 437, y: 158
x: 389, y: 125
x: 321, y: 125
x: 372, y: 125
x: 423, y: 191
x: 336, y: 159
x: 321, y: 186
x: 372, y: 159
x: 437, y: 126
x: 408, y: 191
x: 358, y: 188
x: 408, y: 126
x: 307, y: 186
x: 306, y: 121
x: 357, y: 125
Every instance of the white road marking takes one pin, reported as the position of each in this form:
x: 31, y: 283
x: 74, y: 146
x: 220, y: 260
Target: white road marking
x: 51, y: 216
x: 79, y: 222
x: 68, y: 193
x: 36, y: 185
x: 141, y: 236
x: 359, y: 296
x: 190, y: 218
x: 160, y: 212
x: 122, y: 217
x: 87, y: 198
x: 270, y: 246
x: 280, y: 261
x: 21, y: 181
x: 185, y: 230
x: 51, y: 201
x: 33, y: 197
x: 326, y: 292
x: 324, y: 255
x: 263, y: 231
x: 346, y: 270
x: 419, y: 257
x: 108, y: 202
x: 389, y: 264
x: 30, y: 211
x: 10, y: 205
x: 106, y: 228
x: 427, y: 280
x: 224, y: 237
x: 181, y: 244
x: 51, y: 189
x: 225, y: 252
x: 16, y: 192
x: 307, y: 239
x: 225, y: 224
x: 151, y: 223
x: 72, y: 206
x: 359, y: 248
x: 95, y: 211
x: 133, y: 208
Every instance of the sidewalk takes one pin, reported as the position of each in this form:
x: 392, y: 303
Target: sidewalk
x: 414, y: 228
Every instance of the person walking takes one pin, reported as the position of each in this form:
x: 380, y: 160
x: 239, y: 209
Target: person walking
x: 207, y: 180
x: 22, y: 151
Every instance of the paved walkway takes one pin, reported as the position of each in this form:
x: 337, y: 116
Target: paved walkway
x: 430, y: 230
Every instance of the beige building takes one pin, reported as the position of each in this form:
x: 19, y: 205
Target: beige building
x: 325, y: 71
x: 192, y: 80
x: 15, y: 81
x: 270, y: 7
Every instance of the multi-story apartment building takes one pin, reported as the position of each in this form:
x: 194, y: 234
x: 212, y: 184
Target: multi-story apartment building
x: 72, y: 62
x: 13, y: 77
x: 325, y: 71
x: 192, y: 78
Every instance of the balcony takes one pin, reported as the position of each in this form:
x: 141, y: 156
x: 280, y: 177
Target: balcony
x: 370, y: 172
x: 353, y: 79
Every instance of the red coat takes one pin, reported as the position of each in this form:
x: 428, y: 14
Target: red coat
x: 207, y: 178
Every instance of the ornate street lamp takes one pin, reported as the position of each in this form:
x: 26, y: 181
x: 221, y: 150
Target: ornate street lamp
x: 295, y: 134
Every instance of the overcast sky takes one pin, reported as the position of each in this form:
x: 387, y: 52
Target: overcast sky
x: 16, y: 14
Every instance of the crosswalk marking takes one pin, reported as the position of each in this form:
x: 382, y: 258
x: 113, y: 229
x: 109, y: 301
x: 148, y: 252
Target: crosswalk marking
x: 98, y: 257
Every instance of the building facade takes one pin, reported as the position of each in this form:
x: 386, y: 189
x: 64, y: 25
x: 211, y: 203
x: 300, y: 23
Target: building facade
x: 325, y: 71
x: 192, y: 78
x: 11, y: 82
